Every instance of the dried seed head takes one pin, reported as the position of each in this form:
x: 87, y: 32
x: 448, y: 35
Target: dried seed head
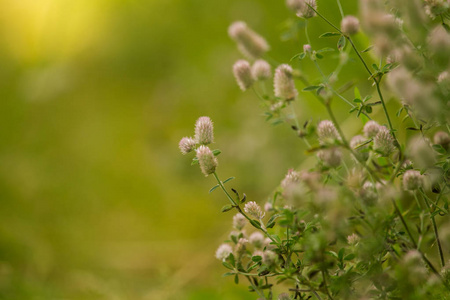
x: 350, y: 25
x: 353, y: 239
x: 204, y: 132
x: 186, y: 145
x: 332, y: 157
x: 223, y: 252
x: 206, y: 159
x: 327, y: 132
x: 284, y: 86
x: 261, y: 70
x: 284, y: 296
x: 371, y: 129
x: 253, y: 209
x: 383, y: 142
x: 442, y: 138
x: 269, y: 258
x: 243, y: 74
x: 239, y: 221
x: 249, y: 42
x: 257, y: 239
x: 412, y: 180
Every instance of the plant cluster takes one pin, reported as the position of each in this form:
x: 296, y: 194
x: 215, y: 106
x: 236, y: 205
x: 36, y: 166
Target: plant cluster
x: 371, y: 219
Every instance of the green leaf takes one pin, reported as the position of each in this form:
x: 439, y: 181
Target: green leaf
x: 271, y: 221
x: 232, y: 260
x: 367, y: 49
x: 216, y: 152
x: 439, y: 149
x: 326, y: 49
x: 311, y: 88
x: 227, y: 208
x: 329, y: 34
x: 256, y: 258
x: 341, y: 253
x: 227, y: 265
x: 332, y: 253
x: 228, y: 179
x: 446, y: 27
x: 298, y: 55
x: 368, y: 109
x: 319, y: 56
x: 357, y: 100
x: 228, y: 274
x: 341, y: 43
x: 213, y: 188
x: 194, y: 161
x: 357, y: 93
x: 375, y: 67
x: 236, y: 279
x: 350, y: 256
x: 255, y: 223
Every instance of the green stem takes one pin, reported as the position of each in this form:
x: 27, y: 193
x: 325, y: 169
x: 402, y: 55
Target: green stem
x: 326, y: 285
x: 224, y: 190
x: 340, y: 8
x: 261, y: 294
x: 433, y: 222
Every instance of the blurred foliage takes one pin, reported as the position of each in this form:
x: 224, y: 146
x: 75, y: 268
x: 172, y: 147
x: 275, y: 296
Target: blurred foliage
x: 97, y: 202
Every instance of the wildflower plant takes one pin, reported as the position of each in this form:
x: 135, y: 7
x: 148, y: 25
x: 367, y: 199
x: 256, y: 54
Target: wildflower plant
x: 371, y: 219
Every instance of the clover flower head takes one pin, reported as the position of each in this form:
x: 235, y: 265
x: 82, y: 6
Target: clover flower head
x: 327, y: 132
x: 239, y: 221
x: 383, y: 141
x: 350, y: 25
x: 253, y: 209
x: 204, y: 131
x: 223, y: 252
x: 371, y: 129
x: 257, y: 239
x: 284, y: 296
x: 332, y: 157
x: 206, y: 159
x: 186, y: 145
x: 412, y: 180
x: 243, y: 74
x: 283, y: 83
x: 249, y: 42
x: 261, y: 70
x: 269, y: 257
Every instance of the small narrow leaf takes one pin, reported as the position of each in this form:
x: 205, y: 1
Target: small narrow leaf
x: 216, y: 152
x: 213, y: 188
x: 329, y: 34
x: 341, y: 43
x: 228, y: 179
x: 194, y: 161
x: 255, y: 224
x: 367, y: 49
x: 236, y: 279
x: 311, y: 88
x: 227, y: 208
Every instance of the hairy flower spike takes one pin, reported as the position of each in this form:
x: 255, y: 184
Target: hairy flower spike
x: 292, y: 177
x: 269, y: 257
x: 186, y: 145
x: 239, y: 221
x: 249, y: 42
x: 327, y: 132
x: 383, y: 141
x: 206, y: 159
x: 204, y: 133
x: 243, y: 74
x: 253, y: 209
x: 240, y: 248
x: 442, y: 138
x: 412, y: 180
x: 353, y: 239
x: 261, y: 70
x: 350, y: 25
x: 355, y: 142
x: 223, y: 252
x: 371, y: 129
x: 284, y: 86
x: 284, y: 296
x: 332, y: 157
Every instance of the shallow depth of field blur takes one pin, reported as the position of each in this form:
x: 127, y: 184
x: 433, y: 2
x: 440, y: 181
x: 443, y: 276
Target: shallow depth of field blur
x: 96, y: 200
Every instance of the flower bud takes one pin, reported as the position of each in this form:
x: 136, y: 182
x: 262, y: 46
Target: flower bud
x: 371, y: 129
x: 254, y: 210
x: 239, y: 221
x: 268, y: 206
x: 307, y: 48
x: 204, y: 133
x: 412, y: 180
x: 243, y: 74
x: 353, y: 239
x: 261, y: 70
x: 327, y: 132
x: 301, y: 7
x: 249, y: 42
x: 442, y: 138
x: 257, y: 239
x: 383, y: 141
x: 332, y: 157
x: 284, y: 86
x: 223, y: 252
x: 206, y: 159
x: 350, y: 25
x: 186, y: 145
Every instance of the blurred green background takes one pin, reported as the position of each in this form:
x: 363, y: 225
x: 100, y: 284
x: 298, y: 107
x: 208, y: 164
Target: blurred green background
x: 96, y: 200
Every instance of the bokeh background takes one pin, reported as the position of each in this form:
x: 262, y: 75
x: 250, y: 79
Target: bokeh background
x: 96, y: 202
